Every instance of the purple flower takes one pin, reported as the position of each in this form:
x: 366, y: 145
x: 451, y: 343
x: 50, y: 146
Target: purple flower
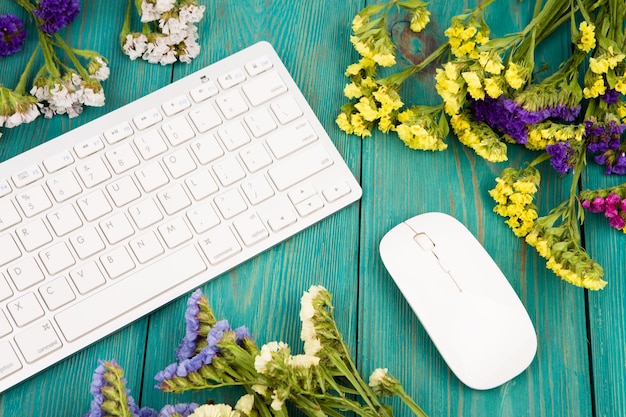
x: 147, y: 412
x: 111, y: 396
x: 184, y: 409
x: 12, y: 34
x: 54, y: 15
x: 562, y: 156
x: 242, y: 332
x: 188, y: 345
x: 611, y: 96
x: 167, y: 373
x: 617, y: 222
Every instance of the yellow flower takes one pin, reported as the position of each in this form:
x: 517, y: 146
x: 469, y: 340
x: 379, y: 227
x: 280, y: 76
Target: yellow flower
x: 343, y: 123
x: 596, y: 89
x: 598, y: 66
x: 420, y: 19
x: 491, y: 64
x: 514, y: 76
x: 367, y: 108
x: 474, y: 86
x: 620, y: 84
x: 359, y: 125
x: 361, y: 47
x: 492, y: 87
x: 384, y: 59
x: 357, y: 22
x: 352, y: 91
x: 587, y: 40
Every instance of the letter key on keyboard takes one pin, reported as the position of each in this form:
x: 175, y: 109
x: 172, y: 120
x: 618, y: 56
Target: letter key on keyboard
x: 149, y: 201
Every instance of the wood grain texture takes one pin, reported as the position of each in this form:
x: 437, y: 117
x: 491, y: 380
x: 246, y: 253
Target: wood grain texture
x: 341, y: 252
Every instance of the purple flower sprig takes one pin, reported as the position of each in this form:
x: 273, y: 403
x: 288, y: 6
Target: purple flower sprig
x: 563, y: 156
x: 54, y: 15
x: 110, y: 395
x: 12, y: 34
x: 604, y: 140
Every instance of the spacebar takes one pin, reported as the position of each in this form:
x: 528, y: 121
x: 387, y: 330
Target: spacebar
x: 130, y: 292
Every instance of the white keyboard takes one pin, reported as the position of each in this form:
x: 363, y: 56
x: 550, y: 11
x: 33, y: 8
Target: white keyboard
x: 148, y: 202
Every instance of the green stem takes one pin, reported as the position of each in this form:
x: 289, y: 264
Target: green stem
x: 398, y: 78
x: 126, y: 26
x: 409, y: 402
x: 70, y: 54
x: 21, y: 84
x: 48, y: 54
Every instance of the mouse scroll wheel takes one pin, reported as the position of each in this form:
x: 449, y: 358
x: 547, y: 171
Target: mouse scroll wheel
x: 424, y: 241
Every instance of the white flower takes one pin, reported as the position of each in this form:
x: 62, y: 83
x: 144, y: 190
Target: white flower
x: 278, y: 400
x: 191, y: 13
x: 135, y: 45
x: 91, y: 98
x: 153, y: 9
x: 99, y: 69
x: 260, y: 389
x: 175, y: 28
x: 265, y: 356
x: 214, y: 410
x: 245, y: 404
x: 160, y: 52
x: 190, y: 50
x: 377, y: 377
x: 303, y: 361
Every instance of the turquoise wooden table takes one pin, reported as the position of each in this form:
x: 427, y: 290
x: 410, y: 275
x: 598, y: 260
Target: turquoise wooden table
x: 580, y: 366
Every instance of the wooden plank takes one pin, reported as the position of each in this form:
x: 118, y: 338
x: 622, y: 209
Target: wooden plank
x: 399, y: 183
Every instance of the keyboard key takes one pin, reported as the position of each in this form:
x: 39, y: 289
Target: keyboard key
x: 9, y: 362
x: 291, y: 139
x: 87, y: 242
x: 230, y: 204
x: 9, y: 251
x: 147, y: 119
x: 117, y: 262
x: 174, y: 199
x: 309, y: 205
x: 281, y: 218
x: 231, y: 104
x: 300, y: 167
x: 233, y: 136
x: 89, y: 147
x: 56, y: 258
x: 228, y: 171
x: 255, y: 157
x: 207, y: 90
x: 257, y: 189
x: 176, y: 105
x: 130, y: 292
x: 116, y: 228
x: 33, y: 235
x: 301, y: 192
x: 145, y: 213
x: 5, y: 289
x: 122, y: 158
x: 64, y: 186
x: 87, y: 277
x: 205, y: 117
x: 150, y: 144
x: 177, y: 131
x: 179, y: 163
x: 5, y: 188
x: 33, y: 201
x: 336, y: 191
x: 201, y: 185
x: 25, y: 274
x: 151, y: 177
x: 92, y: 172
x: 231, y: 78
x: 286, y: 109
x: 146, y: 247
x: 38, y: 341
x: 264, y: 88
x: 202, y: 218
x: 219, y: 244
x: 5, y: 328
x: 94, y: 205
x: 58, y: 161
x: 250, y: 228
x: 123, y: 191
x: 8, y: 214
x: 25, y: 309
x: 206, y: 150
x: 119, y: 132
x: 64, y: 220
x: 260, y: 122
x: 175, y: 232
x: 27, y: 176
x: 57, y: 293
x: 258, y: 65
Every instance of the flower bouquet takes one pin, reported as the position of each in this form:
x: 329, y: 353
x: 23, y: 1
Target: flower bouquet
x: 493, y: 96
x: 322, y: 381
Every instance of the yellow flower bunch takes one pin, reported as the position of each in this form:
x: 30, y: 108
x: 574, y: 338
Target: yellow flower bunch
x: 466, y: 36
x: 603, y: 74
x: 451, y: 87
x: 479, y: 137
x: 514, y: 195
x: 587, y: 38
x: 418, y: 130
x: 547, y: 133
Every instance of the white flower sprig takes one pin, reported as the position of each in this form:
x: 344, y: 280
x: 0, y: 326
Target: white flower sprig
x: 169, y: 32
x: 323, y: 381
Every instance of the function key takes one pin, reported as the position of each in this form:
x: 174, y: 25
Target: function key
x: 176, y: 105
x: 58, y: 161
x: 206, y: 90
x: 88, y: 147
x: 147, y: 119
x: 259, y: 65
x: 232, y: 78
x: 5, y: 188
x: 27, y: 176
x: 119, y: 132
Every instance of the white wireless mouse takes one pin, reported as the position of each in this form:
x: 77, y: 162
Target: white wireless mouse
x: 463, y: 300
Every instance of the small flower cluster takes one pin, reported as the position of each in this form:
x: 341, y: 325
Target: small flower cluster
x: 169, y: 31
x: 492, y: 96
x: 12, y: 34
x: 321, y: 381
x: 611, y: 202
x: 514, y: 195
x: 58, y: 87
